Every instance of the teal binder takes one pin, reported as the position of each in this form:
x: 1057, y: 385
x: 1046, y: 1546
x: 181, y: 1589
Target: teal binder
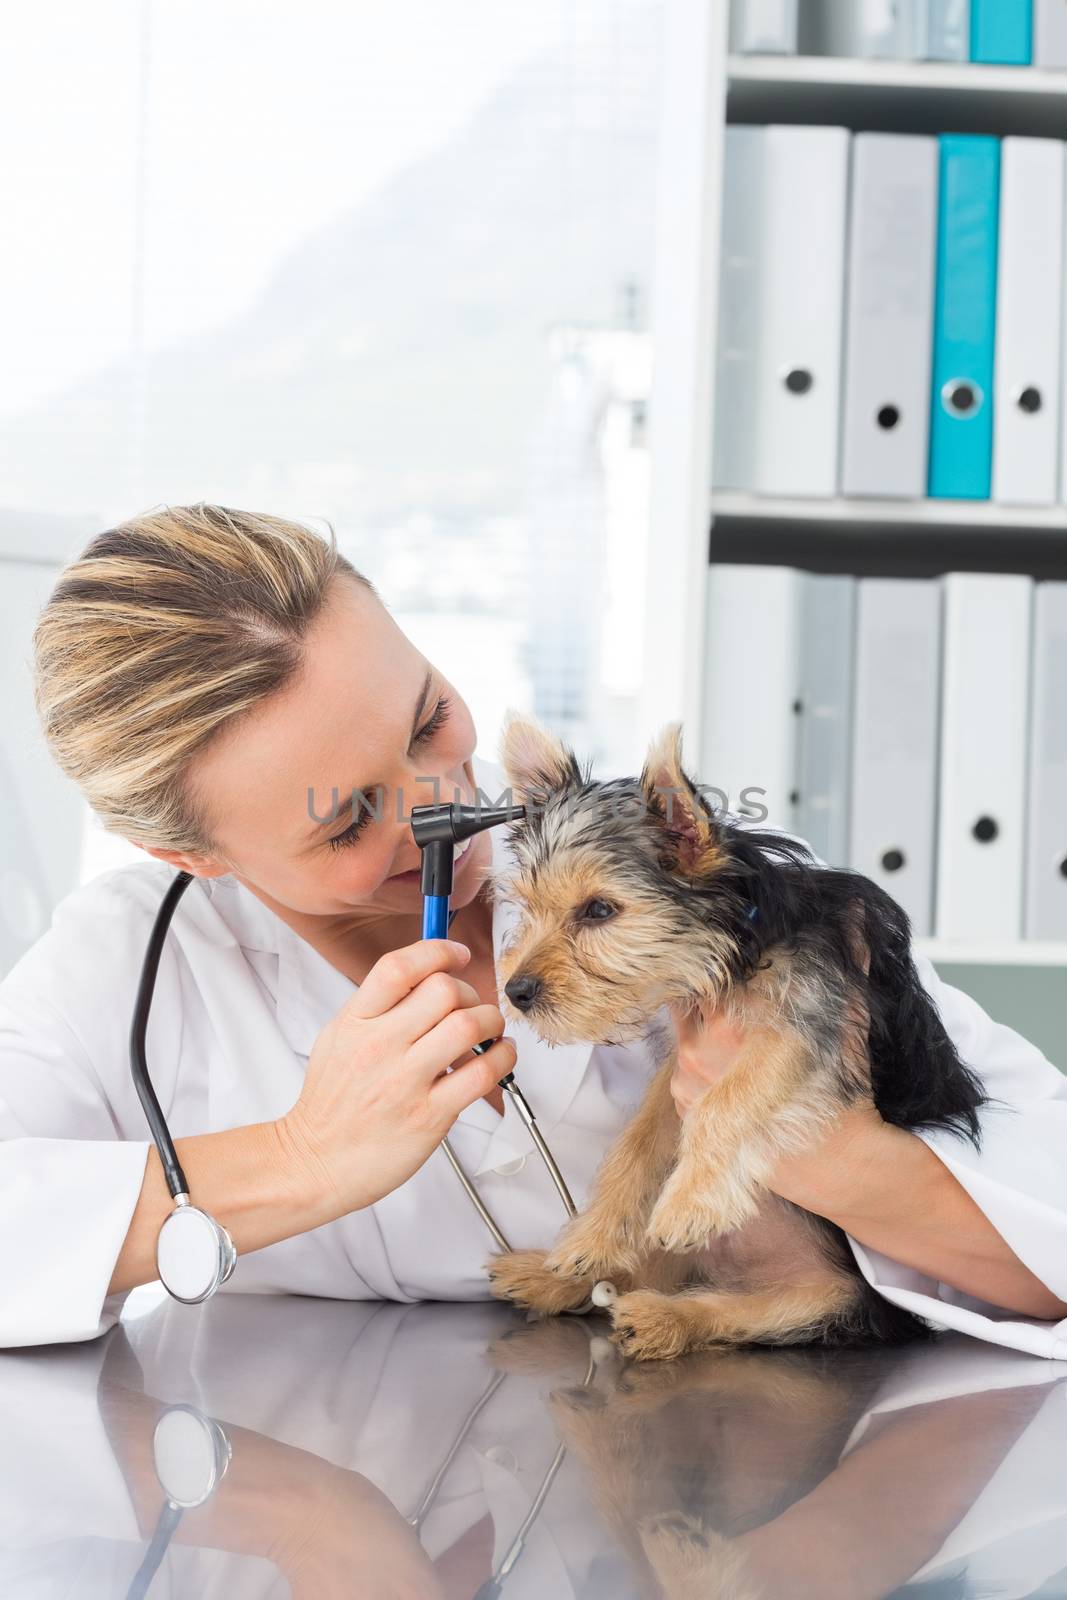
x: 965, y: 299
x: 1002, y: 32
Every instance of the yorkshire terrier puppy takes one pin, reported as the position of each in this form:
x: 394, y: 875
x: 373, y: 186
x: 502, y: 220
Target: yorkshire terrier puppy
x: 633, y: 895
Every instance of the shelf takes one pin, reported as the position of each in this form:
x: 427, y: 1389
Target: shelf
x: 977, y: 516
x: 1010, y: 953
x: 912, y: 96
x: 917, y: 538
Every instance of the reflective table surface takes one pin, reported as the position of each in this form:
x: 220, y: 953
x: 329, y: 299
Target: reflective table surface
x: 275, y: 1446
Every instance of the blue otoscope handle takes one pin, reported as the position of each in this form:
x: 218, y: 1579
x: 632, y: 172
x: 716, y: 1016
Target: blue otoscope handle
x: 435, y: 916
x: 435, y: 926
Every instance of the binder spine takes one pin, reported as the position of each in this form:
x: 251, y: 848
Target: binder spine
x: 1001, y: 32
x: 1046, y: 869
x: 985, y: 689
x: 741, y: 275
x: 765, y: 27
x: 1050, y: 33
x: 1029, y: 296
x: 961, y: 411
x: 889, y: 312
x: 949, y: 30
x: 799, y: 381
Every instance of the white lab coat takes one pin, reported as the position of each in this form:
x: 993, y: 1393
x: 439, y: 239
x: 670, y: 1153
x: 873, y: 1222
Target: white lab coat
x: 239, y: 1002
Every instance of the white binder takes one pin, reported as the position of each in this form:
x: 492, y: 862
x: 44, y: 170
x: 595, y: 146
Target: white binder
x: 737, y: 341
x: 896, y: 29
x: 824, y: 724
x: 889, y: 319
x: 948, y: 36
x: 798, y: 369
x: 1046, y: 850
x: 983, y: 756
x: 895, y: 740
x: 1050, y: 33
x: 763, y: 26
x: 1026, y: 407
x: 750, y: 690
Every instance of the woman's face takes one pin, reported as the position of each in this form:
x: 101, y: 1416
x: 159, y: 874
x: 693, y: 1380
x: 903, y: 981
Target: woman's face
x: 369, y: 713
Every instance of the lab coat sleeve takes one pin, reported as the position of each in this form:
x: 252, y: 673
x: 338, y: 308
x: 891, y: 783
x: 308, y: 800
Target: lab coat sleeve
x: 68, y: 1184
x: 70, y: 1178
x: 1018, y: 1178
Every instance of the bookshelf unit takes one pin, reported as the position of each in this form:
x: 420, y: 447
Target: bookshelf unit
x: 691, y: 527
x: 898, y: 96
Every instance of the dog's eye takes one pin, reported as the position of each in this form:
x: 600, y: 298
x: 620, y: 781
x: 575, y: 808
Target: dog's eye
x: 596, y: 911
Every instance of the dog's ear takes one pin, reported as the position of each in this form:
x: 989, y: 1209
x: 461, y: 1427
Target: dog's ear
x: 690, y: 835
x: 536, y: 761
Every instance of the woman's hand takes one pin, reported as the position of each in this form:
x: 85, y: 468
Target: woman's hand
x: 839, y: 1158
x: 377, y: 1096
x: 708, y: 1046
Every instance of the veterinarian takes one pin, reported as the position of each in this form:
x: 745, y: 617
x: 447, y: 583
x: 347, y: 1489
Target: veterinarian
x: 197, y: 671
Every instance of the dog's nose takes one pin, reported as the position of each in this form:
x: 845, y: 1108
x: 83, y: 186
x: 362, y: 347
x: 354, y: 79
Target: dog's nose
x: 522, y: 992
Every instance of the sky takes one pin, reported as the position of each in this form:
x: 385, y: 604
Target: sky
x: 245, y: 123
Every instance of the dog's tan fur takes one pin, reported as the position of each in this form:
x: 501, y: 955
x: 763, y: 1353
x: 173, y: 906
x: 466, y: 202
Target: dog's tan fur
x: 680, y: 1218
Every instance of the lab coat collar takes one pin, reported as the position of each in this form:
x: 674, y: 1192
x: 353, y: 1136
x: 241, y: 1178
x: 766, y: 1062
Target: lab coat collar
x: 310, y: 991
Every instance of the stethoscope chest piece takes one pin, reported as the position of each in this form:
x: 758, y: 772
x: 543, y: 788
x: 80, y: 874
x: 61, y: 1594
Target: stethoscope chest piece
x: 191, y: 1453
x: 194, y: 1254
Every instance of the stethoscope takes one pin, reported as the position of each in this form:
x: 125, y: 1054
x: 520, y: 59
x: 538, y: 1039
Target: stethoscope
x: 194, y: 1253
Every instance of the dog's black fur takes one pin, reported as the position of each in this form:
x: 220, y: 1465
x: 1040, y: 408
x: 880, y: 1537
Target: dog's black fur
x: 918, y: 1079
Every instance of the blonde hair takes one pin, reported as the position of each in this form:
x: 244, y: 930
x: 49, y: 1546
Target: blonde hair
x: 165, y: 630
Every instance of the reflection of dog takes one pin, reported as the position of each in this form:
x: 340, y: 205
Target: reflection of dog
x: 682, y: 1459
x: 633, y: 895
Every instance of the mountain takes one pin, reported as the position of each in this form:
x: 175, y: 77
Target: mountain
x: 397, y: 359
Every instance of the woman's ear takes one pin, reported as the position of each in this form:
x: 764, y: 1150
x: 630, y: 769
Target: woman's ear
x: 183, y: 861
x: 690, y: 836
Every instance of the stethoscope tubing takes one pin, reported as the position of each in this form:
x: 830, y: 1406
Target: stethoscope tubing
x: 157, y: 1122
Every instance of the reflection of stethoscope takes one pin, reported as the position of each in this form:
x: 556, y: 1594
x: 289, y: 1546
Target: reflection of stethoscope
x: 191, y: 1452
x: 492, y: 1586
x: 194, y: 1253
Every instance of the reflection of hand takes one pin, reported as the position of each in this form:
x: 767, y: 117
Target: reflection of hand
x: 929, y: 1463
x: 327, y: 1529
x: 346, y: 1537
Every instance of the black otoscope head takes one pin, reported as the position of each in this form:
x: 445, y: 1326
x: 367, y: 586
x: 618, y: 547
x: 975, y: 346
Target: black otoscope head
x: 439, y: 828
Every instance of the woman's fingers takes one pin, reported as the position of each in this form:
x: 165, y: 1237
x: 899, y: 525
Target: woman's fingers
x: 454, y: 1091
x: 452, y: 1039
x: 398, y: 972
x: 708, y: 1045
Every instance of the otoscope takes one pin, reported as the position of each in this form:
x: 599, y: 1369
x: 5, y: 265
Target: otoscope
x: 437, y: 829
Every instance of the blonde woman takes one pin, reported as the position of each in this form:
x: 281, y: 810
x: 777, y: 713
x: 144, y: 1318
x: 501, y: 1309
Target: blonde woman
x: 199, y: 672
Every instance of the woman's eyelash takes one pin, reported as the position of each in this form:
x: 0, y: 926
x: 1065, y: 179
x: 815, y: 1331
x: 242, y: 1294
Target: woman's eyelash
x: 441, y: 714
x: 442, y: 711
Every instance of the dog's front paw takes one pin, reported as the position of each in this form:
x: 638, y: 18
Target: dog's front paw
x: 691, y: 1559
x: 649, y: 1326
x: 587, y: 1248
x: 522, y: 1277
x: 685, y: 1217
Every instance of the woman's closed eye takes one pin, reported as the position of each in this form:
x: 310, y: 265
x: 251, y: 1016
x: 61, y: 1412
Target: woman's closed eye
x: 440, y: 716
